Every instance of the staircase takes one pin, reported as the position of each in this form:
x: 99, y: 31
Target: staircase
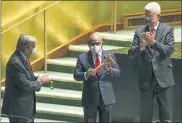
x: 63, y: 103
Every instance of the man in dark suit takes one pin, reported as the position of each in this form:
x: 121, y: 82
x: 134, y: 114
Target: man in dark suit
x: 19, y: 101
x: 97, y: 91
x: 153, y: 44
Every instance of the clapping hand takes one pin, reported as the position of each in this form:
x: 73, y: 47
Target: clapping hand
x: 148, y: 37
x: 44, y: 79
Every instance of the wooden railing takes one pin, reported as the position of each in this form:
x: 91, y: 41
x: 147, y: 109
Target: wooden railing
x: 171, y: 17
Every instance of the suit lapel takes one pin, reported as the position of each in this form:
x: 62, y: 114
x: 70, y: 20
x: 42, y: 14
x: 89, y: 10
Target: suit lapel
x: 146, y: 29
x: 25, y: 64
x: 102, y: 61
x: 90, y: 59
x: 151, y: 51
x: 159, y: 33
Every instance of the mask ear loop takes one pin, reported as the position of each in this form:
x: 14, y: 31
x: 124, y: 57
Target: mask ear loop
x: 27, y: 50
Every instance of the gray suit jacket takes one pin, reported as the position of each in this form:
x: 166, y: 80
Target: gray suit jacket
x: 20, y: 87
x: 156, y: 57
x: 96, y: 85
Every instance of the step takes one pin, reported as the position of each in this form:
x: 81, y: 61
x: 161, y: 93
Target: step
x: 62, y: 80
x: 63, y: 64
x: 115, y: 36
x: 116, y: 39
x: 75, y: 50
x: 59, y: 112
x: 85, y: 48
x: 6, y: 120
x: 57, y: 96
x: 59, y: 93
x: 65, y: 61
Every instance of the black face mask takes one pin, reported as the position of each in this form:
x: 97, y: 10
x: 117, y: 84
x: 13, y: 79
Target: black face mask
x: 149, y: 22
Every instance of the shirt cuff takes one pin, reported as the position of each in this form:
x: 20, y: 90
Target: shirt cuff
x: 39, y: 82
x: 85, y: 76
x: 143, y: 48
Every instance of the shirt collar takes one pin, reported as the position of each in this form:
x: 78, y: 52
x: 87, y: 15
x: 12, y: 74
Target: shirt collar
x: 156, y: 26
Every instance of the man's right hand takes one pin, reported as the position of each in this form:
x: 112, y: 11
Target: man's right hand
x: 44, y: 79
x: 90, y: 72
x: 143, y: 43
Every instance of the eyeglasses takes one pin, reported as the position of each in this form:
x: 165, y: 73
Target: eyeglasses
x: 148, y: 16
x: 95, y: 43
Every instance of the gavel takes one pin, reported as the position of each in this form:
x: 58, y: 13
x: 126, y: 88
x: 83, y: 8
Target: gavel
x: 109, y: 60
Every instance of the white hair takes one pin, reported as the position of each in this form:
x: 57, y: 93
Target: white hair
x: 153, y: 6
x: 24, y: 40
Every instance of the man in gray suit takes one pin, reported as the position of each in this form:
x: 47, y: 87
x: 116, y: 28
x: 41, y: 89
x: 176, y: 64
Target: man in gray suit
x: 19, y: 102
x: 97, y: 91
x: 153, y: 44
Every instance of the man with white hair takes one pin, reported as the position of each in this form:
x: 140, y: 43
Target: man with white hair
x: 19, y: 102
x: 153, y: 44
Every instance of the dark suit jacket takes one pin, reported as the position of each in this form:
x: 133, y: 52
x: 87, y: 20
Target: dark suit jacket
x: 156, y: 57
x: 20, y: 87
x: 96, y: 85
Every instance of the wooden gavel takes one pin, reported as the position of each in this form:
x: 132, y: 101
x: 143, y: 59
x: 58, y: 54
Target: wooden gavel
x: 108, y: 60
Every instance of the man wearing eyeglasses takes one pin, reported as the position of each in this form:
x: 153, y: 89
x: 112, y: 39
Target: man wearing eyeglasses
x: 153, y: 44
x: 97, y: 91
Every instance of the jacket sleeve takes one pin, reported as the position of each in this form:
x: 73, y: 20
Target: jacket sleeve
x: 166, y: 48
x: 20, y: 79
x: 135, y: 48
x: 115, y: 70
x: 79, y: 71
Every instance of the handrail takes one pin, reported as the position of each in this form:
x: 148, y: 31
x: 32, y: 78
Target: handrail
x: 30, y: 17
x: 62, y: 50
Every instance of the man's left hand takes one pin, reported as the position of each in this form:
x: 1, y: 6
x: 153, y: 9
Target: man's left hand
x: 148, y: 37
x: 107, y: 67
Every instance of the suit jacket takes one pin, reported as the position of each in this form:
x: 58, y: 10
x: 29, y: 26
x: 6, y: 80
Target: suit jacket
x: 20, y: 86
x: 97, y: 85
x: 156, y: 57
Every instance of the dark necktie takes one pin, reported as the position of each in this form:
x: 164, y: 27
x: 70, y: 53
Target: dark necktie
x: 28, y: 63
x: 152, y: 31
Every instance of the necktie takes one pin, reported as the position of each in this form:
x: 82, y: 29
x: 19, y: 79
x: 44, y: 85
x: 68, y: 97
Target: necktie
x: 152, y: 31
x: 97, y: 63
x: 28, y: 63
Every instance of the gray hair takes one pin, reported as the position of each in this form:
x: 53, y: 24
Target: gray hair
x: 153, y: 6
x: 23, y: 41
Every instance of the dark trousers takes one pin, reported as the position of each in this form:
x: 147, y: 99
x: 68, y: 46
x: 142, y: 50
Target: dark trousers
x: 147, y: 96
x: 90, y: 113
x: 21, y: 120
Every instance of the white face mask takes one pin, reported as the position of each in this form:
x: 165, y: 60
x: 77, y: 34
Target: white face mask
x: 33, y: 51
x: 95, y: 49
